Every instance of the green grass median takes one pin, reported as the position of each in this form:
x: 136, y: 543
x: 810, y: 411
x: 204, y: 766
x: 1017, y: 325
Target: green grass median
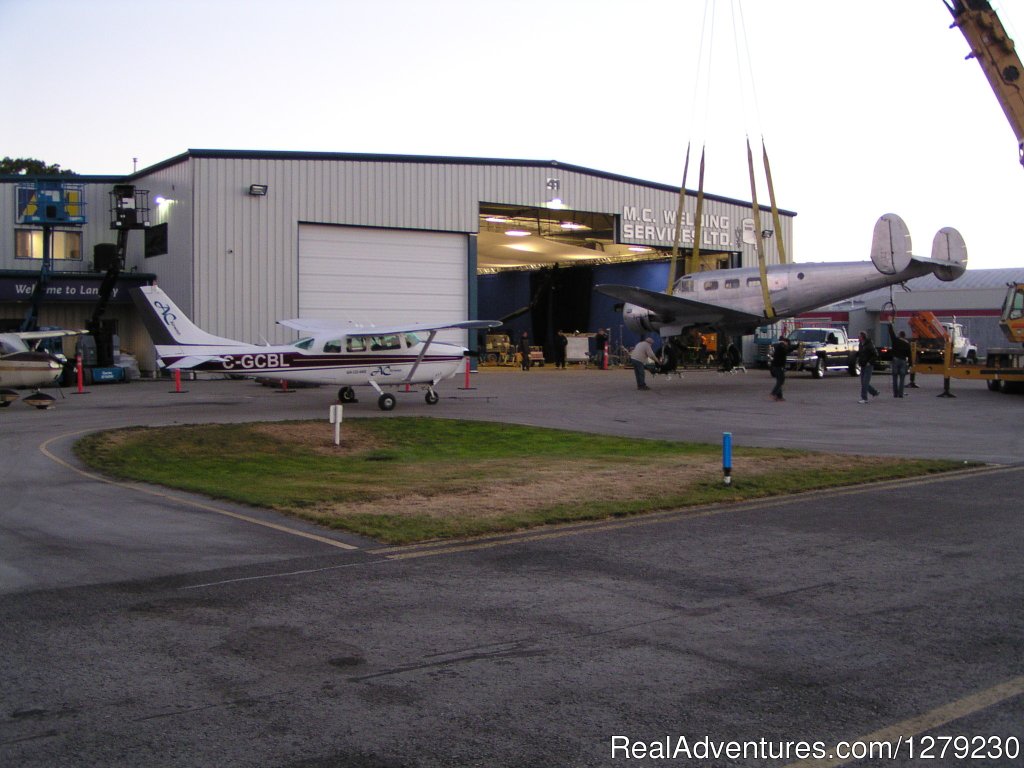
x: 403, y: 480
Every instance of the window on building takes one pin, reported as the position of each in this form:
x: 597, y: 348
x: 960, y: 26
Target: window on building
x: 66, y: 245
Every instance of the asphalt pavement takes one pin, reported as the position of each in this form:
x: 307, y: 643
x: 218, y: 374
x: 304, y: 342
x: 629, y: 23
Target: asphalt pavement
x: 141, y: 626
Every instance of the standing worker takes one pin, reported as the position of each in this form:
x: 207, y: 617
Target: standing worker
x: 524, y: 351
x: 780, y: 350
x: 900, y: 356
x: 641, y: 354
x: 561, y: 345
x: 601, y: 344
x: 867, y: 355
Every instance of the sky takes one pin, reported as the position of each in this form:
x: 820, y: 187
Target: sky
x: 864, y: 107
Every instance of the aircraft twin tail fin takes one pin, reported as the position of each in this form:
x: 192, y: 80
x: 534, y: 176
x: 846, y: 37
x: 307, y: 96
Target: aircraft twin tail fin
x: 891, y: 250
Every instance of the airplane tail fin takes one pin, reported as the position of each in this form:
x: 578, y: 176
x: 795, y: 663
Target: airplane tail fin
x: 890, y: 245
x: 949, y: 254
x: 167, y: 324
x: 891, y: 250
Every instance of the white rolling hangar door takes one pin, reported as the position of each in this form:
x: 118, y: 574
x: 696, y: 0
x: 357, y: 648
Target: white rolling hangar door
x: 383, y: 276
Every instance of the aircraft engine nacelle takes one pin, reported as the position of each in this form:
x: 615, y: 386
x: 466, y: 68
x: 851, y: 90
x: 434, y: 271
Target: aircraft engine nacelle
x: 640, y: 320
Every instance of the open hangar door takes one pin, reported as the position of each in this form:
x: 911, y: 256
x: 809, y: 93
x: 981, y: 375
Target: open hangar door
x: 537, y: 269
x: 383, y: 276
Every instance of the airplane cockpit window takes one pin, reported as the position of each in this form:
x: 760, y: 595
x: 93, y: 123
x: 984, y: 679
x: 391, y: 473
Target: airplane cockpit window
x: 411, y: 340
x: 355, y: 344
x: 332, y: 347
x: 732, y: 283
x: 304, y: 343
x: 684, y: 285
x: 7, y: 349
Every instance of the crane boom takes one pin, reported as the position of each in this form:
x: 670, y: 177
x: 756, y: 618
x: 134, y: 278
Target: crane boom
x: 998, y: 58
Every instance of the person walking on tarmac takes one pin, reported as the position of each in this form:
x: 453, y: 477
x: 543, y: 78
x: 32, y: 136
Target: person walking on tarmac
x: 639, y: 357
x: 780, y: 349
x: 867, y: 356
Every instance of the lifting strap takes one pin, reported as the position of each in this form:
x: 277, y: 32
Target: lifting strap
x: 769, y: 310
x: 695, y: 263
x: 679, y: 225
x: 780, y: 242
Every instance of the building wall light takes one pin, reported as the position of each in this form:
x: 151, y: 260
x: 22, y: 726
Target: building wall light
x: 258, y: 190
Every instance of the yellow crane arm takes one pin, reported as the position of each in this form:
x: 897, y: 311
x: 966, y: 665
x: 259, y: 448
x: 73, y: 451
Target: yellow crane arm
x: 998, y: 58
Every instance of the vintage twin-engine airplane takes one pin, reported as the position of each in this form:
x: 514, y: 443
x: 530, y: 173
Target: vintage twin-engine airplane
x: 331, y: 353
x: 23, y: 367
x: 732, y: 301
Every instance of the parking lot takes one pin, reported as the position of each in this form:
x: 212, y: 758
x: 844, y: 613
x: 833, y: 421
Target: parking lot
x: 148, y: 627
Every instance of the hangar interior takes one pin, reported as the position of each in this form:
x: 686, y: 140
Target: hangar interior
x: 537, y: 267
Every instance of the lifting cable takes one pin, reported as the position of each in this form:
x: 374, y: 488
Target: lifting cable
x: 756, y: 210
x: 738, y: 32
x: 677, y: 240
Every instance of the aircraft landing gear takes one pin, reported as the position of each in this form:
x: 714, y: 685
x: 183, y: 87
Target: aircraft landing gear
x: 386, y: 402
x: 347, y: 395
x: 432, y: 397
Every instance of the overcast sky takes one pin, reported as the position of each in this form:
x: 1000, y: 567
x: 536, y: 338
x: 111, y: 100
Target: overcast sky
x: 865, y: 107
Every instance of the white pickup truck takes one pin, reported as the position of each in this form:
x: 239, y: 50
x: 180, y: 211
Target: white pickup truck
x: 822, y: 349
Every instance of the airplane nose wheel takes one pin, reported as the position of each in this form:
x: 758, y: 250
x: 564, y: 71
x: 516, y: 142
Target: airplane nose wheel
x: 432, y: 397
x: 386, y: 402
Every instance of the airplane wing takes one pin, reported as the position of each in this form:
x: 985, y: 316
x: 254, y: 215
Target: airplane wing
x: 673, y: 308
x: 54, y: 334
x: 328, y: 326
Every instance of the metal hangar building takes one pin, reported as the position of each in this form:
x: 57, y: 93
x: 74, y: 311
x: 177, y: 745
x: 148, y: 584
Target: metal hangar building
x: 240, y: 239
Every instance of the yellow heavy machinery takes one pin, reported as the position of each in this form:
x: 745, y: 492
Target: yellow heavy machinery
x: 995, y: 52
x: 1003, y: 368
x: 1012, y: 319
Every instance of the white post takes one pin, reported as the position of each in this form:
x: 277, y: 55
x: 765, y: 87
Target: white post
x: 336, y: 415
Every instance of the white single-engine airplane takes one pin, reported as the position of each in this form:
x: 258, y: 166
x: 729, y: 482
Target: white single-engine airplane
x: 331, y: 353
x: 21, y: 366
x: 732, y: 301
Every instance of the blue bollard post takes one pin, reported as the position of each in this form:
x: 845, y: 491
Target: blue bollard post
x: 727, y: 457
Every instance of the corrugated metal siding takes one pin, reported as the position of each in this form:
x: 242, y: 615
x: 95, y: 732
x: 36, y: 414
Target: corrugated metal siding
x: 173, y: 183
x: 246, y: 248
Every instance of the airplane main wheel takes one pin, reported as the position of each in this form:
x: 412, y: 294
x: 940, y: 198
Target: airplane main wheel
x: 386, y: 402
x: 347, y: 395
x: 432, y: 397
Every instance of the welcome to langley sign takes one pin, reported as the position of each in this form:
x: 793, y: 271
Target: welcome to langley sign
x: 67, y: 289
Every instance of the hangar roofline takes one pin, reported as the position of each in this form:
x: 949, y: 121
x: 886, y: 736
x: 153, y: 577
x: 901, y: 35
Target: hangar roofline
x: 255, y: 154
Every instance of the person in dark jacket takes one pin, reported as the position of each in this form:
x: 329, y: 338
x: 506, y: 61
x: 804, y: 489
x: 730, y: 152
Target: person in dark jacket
x: 561, y: 345
x: 780, y: 349
x: 524, y: 351
x: 867, y: 356
x: 900, y: 358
